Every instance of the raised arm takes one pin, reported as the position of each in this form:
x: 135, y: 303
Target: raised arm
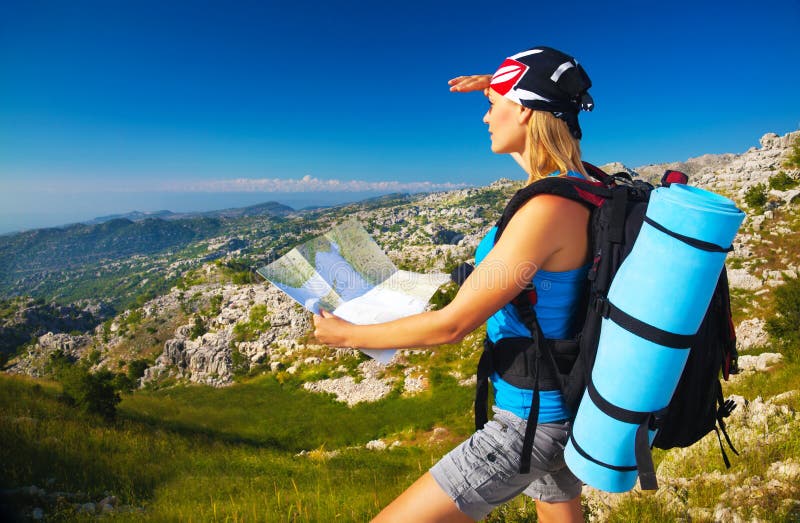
x: 533, y: 238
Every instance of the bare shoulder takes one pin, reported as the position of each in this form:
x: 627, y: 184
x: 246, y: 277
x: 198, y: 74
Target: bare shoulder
x: 550, y: 210
x: 551, y: 231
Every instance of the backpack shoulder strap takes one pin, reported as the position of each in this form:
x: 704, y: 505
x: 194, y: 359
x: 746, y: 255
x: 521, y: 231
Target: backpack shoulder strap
x: 590, y: 194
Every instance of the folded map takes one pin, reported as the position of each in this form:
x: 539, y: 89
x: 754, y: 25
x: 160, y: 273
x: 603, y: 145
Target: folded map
x: 344, y: 271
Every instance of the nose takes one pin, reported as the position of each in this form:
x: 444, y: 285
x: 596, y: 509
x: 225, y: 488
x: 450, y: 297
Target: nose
x: 486, y: 118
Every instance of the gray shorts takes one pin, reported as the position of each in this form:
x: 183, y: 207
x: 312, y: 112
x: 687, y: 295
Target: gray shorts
x: 483, y: 472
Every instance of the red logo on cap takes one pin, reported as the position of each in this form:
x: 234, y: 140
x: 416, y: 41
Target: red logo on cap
x: 507, y: 75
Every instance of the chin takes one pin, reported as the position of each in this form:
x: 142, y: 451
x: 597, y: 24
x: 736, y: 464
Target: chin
x: 500, y: 150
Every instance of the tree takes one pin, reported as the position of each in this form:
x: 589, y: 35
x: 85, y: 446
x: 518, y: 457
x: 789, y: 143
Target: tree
x: 93, y: 393
x: 756, y: 196
x: 198, y: 329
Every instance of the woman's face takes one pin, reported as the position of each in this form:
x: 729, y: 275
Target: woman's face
x: 506, y: 122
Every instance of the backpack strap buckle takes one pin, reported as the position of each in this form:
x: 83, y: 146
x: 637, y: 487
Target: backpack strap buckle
x: 602, y: 306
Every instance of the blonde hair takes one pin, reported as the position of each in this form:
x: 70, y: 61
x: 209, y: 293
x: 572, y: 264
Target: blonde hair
x: 552, y: 147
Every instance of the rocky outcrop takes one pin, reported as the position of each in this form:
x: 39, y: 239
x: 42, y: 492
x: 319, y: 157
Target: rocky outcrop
x: 209, y: 358
x: 372, y: 384
x: 204, y: 360
x: 732, y: 172
x: 347, y: 390
x: 32, y: 319
x: 35, y: 360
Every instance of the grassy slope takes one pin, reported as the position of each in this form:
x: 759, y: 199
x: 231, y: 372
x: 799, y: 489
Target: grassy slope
x: 200, y: 454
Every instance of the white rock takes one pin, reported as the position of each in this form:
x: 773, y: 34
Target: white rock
x: 348, y: 391
x: 414, y: 385
x: 741, y: 279
x: 750, y: 333
x: 376, y: 444
x: 786, y: 470
x: 761, y: 362
x: 783, y: 396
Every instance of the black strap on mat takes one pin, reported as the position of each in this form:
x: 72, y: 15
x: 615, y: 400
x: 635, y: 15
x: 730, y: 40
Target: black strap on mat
x: 579, y: 449
x: 647, y: 331
x: 644, y: 459
x: 693, y: 242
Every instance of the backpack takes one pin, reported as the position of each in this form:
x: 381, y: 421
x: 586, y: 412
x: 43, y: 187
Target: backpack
x: 617, y: 204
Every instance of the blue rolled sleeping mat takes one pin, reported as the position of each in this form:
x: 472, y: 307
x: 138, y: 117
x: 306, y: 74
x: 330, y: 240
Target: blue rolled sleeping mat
x: 666, y: 284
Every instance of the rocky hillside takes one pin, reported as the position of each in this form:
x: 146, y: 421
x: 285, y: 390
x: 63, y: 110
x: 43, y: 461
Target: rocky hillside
x: 225, y: 328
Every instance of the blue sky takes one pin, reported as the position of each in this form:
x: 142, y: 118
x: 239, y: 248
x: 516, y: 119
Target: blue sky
x: 110, y: 106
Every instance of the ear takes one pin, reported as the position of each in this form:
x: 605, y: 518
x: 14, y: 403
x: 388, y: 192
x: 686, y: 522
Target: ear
x: 524, y: 115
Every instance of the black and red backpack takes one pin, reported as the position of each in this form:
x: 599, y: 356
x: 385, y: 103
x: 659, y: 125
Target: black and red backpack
x: 618, y: 204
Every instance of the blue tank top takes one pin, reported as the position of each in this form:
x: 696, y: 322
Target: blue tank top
x: 558, y: 296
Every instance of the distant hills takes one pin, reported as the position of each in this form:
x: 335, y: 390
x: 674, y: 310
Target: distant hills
x: 113, y: 246
x: 80, y: 244
x: 270, y: 208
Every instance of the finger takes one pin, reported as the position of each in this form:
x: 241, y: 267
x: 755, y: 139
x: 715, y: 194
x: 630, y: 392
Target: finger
x: 325, y: 314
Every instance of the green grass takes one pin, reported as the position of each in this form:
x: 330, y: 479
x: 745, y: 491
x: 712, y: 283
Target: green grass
x: 203, y: 454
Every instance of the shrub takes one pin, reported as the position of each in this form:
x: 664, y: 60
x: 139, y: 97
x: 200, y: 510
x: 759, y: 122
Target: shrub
x: 123, y: 383
x: 239, y: 363
x: 756, y: 196
x: 782, y: 182
x: 793, y: 160
x: 215, y: 305
x: 783, y: 327
x: 136, y: 369
x: 94, y: 393
x: 257, y: 323
x: 94, y: 357
x: 198, y: 329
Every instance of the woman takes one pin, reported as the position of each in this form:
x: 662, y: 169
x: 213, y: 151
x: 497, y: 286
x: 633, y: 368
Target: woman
x: 534, y: 100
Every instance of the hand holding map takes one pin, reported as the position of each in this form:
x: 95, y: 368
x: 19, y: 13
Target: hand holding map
x: 346, y: 272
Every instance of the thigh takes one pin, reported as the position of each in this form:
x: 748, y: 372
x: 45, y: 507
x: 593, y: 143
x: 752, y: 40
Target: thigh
x: 423, y: 502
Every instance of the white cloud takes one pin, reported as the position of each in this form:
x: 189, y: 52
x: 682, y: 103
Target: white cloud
x: 307, y: 183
